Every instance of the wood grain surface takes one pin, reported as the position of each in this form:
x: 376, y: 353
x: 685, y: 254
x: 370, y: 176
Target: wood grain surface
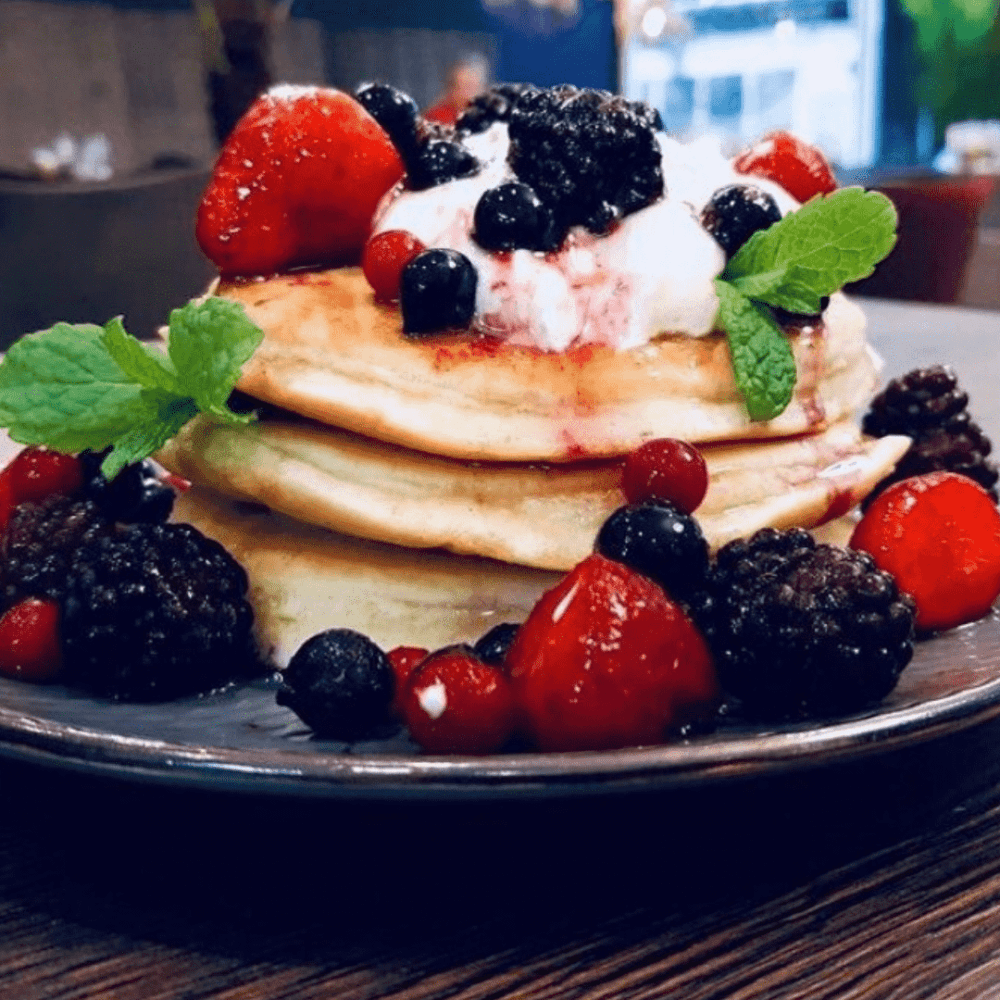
x: 877, y: 879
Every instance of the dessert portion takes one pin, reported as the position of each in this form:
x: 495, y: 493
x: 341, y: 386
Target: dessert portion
x: 532, y: 417
x: 538, y: 297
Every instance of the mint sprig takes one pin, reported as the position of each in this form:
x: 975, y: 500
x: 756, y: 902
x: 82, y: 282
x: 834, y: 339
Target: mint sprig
x: 792, y: 265
x: 79, y: 386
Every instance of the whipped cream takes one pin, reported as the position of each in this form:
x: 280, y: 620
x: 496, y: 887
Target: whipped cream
x: 651, y: 274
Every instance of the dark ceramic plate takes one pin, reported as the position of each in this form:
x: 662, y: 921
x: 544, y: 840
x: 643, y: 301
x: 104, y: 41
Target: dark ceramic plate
x: 241, y: 739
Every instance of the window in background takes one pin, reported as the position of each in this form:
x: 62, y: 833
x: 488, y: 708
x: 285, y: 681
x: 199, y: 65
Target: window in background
x: 735, y: 70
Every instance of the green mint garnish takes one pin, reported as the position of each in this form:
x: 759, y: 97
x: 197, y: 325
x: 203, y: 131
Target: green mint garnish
x: 793, y: 264
x: 82, y: 386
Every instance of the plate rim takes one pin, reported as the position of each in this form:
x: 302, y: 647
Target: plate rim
x: 299, y: 772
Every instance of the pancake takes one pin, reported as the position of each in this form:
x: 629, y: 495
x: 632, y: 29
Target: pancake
x: 333, y: 354
x: 304, y: 579
x: 545, y: 516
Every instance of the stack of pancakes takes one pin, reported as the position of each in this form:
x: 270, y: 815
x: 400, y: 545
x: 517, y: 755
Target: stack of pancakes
x: 423, y: 490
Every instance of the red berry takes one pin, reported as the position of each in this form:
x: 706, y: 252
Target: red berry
x: 7, y: 501
x: 385, y: 256
x: 296, y: 183
x: 404, y: 660
x: 606, y: 659
x: 29, y: 641
x: 37, y: 473
x: 666, y: 469
x: 939, y: 536
x: 455, y: 703
x: 801, y: 169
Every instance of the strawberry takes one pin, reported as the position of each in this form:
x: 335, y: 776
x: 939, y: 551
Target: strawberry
x: 296, y: 183
x: 29, y: 641
x: 606, y: 659
x: 455, y: 703
x: 666, y: 469
x: 801, y: 169
x: 939, y: 536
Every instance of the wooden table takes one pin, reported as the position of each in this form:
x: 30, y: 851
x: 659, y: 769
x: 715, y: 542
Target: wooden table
x: 878, y: 879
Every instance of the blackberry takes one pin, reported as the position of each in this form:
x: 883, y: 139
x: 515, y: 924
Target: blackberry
x: 39, y: 544
x: 493, y: 106
x: 660, y: 541
x: 733, y: 214
x: 492, y: 647
x: 928, y: 405
x: 340, y: 684
x: 511, y: 215
x: 154, y: 611
x: 800, y: 630
x: 437, y: 291
x: 135, y: 494
x: 395, y: 111
x: 591, y: 157
x: 437, y: 161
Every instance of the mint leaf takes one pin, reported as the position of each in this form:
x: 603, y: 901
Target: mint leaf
x: 209, y: 344
x: 140, y: 362
x: 75, y: 387
x: 61, y: 388
x: 816, y: 250
x: 161, y: 415
x: 763, y: 364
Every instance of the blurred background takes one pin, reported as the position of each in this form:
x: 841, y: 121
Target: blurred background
x: 111, y: 114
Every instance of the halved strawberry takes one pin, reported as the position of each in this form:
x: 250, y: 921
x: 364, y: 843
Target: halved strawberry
x: 939, y: 536
x: 802, y: 170
x: 296, y: 183
x: 606, y: 659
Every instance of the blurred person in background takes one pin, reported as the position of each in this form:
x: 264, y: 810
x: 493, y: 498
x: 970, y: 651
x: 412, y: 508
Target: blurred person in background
x: 467, y: 78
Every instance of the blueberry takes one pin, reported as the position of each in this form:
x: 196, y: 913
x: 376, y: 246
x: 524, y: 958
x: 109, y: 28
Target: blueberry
x: 134, y: 495
x: 340, y: 684
x: 511, y: 216
x: 395, y: 111
x: 492, y: 646
x: 437, y: 291
x: 438, y: 161
x: 659, y: 541
x: 733, y: 214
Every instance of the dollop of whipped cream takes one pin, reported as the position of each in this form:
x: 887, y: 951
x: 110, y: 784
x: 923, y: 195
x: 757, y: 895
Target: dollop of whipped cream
x: 653, y: 273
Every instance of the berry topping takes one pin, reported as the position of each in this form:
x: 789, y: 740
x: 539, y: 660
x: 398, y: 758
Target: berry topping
x: 437, y: 161
x: 395, y: 111
x: 512, y: 216
x: 493, y: 106
x: 135, y: 494
x: 340, y: 684
x: 801, y: 630
x: 455, y: 703
x: 666, y: 469
x: 801, y: 169
x: 437, y: 291
x: 606, y: 660
x: 154, y: 611
x: 296, y: 183
x: 404, y: 660
x: 939, y: 536
x: 29, y: 641
x: 37, y: 472
x: 590, y: 157
x: 492, y: 646
x: 385, y: 256
x: 733, y: 214
x: 659, y: 541
x: 927, y: 405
